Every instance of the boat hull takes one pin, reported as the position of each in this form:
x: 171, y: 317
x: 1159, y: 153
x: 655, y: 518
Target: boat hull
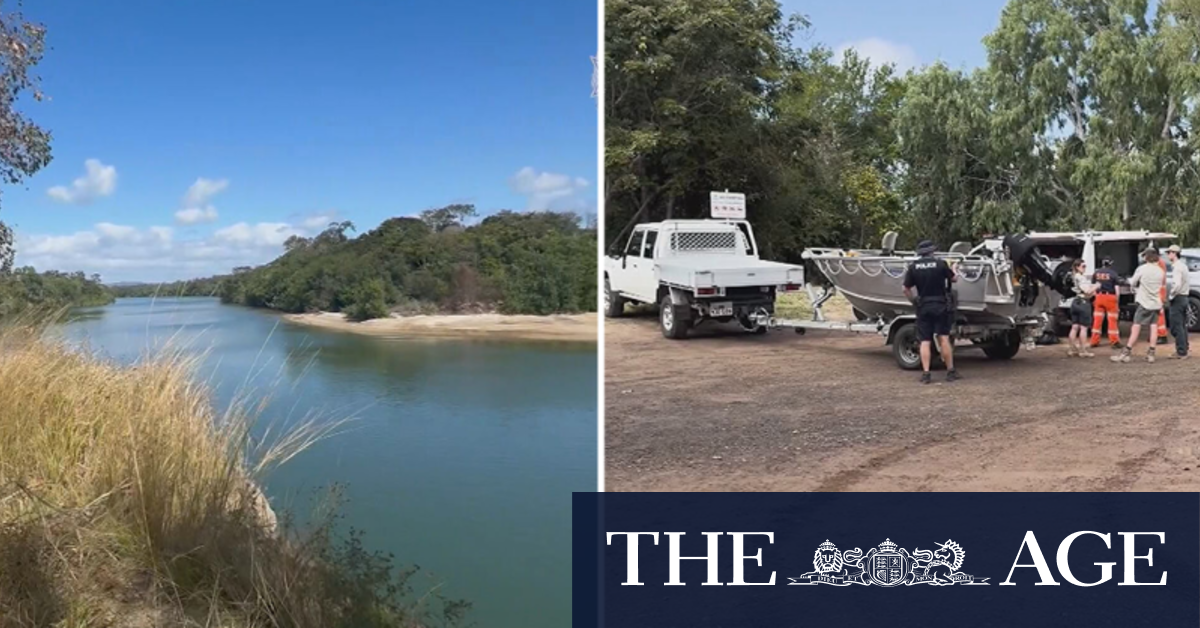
x: 985, y: 291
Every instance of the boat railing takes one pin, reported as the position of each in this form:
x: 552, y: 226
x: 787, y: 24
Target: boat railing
x: 873, y: 262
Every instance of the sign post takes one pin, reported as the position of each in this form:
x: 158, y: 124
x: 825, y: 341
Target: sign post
x: 728, y: 205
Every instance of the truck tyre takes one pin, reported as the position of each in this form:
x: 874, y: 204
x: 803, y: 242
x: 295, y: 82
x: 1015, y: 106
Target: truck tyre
x: 1005, y: 347
x: 674, y: 320
x: 906, y: 347
x: 614, y: 304
x: 1193, y: 313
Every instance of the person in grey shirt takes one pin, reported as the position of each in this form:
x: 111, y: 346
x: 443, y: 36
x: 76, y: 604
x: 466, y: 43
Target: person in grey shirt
x: 1178, y: 290
x: 1148, y: 280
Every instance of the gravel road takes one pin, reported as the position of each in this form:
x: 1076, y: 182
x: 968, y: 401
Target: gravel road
x: 726, y: 411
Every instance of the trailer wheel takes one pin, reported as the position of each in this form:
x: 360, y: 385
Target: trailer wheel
x: 674, y: 319
x: 906, y: 347
x: 1193, y: 313
x: 1005, y: 347
x: 614, y: 304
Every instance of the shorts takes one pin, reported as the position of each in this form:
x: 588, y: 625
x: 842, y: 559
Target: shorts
x: 1144, y: 316
x: 933, y: 319
x: 1081, y: 313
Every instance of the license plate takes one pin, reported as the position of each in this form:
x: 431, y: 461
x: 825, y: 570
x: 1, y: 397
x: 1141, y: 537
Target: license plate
x: 720, y: 309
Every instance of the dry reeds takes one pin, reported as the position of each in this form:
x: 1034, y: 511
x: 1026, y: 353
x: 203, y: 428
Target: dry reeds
x: 125, y: 499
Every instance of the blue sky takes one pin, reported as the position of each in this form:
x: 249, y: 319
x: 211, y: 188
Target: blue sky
x: 909, y: 33
x: 190, y: 137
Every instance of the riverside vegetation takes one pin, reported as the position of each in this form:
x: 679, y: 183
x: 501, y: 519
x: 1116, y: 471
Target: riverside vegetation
x: 26, y: 289
x: 127, y: 500
x: 511, y: 262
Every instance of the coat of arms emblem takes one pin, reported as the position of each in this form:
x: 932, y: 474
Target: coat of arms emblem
x: 888, y: 565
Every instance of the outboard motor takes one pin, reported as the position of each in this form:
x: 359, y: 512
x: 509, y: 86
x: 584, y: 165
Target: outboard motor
x: 1022, y: 251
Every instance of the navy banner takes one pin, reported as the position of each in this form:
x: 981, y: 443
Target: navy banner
x: 730, y: 560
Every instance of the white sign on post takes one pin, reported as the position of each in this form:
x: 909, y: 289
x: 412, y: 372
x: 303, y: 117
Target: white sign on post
x: 729, y: 205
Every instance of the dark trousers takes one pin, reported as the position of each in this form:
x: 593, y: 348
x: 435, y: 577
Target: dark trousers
x: 1178, y: 317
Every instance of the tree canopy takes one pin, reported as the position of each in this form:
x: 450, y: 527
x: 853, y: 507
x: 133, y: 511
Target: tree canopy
x: 24, y: 146
x: 1084, y: 116
x: 522, y: 263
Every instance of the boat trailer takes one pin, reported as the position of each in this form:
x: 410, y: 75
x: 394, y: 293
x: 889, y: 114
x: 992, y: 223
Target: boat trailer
x: 998, y: 340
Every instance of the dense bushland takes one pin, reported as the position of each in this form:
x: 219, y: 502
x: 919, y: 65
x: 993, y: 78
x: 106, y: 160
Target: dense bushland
x: 518, y: 263
x: 25, y: 289
x: 1086, y: 115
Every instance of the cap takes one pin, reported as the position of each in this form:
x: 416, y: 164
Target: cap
x: 926, y: 247
x: 1174, y: 248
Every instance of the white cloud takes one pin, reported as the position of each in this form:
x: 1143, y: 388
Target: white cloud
x: 881, y: 52
x: 197, y: 207
x: 546, y: 189
x: 98, y: 180
x: 318, y: 222
x: 263, y: 234
x: 195, y: 215
x: 157, y: 253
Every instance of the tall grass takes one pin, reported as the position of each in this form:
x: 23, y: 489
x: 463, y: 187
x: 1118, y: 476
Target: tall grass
x: 127, y: 500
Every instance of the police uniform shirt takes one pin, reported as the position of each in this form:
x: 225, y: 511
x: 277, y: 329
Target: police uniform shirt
x: 929, y: 276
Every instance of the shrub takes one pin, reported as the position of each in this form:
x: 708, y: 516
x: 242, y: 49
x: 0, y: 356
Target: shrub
x: 368, y: 300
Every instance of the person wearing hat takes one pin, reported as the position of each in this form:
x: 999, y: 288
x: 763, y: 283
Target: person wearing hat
x: 1147, y: 281
x: 1106, y: 305
x: 1179, y: 289
x: 931, y: 277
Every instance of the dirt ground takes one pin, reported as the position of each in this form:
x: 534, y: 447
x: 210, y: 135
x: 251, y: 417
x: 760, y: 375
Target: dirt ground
x: 727, y: 411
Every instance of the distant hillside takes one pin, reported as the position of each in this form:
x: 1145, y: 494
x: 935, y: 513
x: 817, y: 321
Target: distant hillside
x: 26, y: 288
x: 518, y: 263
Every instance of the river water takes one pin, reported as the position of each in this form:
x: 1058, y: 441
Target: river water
x: 461, y: 458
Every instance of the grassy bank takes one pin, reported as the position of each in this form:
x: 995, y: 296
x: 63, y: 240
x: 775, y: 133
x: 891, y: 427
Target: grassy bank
x: 127, y: 500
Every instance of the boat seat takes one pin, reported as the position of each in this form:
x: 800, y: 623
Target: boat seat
x: 960, y: 247
x: 889, y: 243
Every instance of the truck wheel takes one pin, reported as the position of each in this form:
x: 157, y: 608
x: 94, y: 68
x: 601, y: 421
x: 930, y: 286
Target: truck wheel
x: 906, y: 347
x: 1005, y: 347
x: 674, y: 319
x: 1193, y: 313
x: 614, y: 304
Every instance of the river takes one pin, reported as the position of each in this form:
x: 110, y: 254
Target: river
x: 462, y: 456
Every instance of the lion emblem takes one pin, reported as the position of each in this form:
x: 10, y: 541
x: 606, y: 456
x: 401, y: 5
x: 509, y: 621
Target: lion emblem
x: 828, y: 561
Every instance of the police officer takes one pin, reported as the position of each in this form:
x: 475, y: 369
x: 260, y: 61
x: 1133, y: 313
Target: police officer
x: 932, y: 277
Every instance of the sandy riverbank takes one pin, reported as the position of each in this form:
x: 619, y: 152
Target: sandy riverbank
x: 563, y: 327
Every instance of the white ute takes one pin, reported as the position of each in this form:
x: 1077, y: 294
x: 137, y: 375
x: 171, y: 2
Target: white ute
x: 696, y: 270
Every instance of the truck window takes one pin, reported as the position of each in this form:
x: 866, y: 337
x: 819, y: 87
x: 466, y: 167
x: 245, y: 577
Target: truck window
x: 1193, y: 264
x: 746, y: 241
x: 634, y: 246
x: 648, y: 246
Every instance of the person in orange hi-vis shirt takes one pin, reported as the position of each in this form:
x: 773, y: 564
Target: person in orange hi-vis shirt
x: 1106, y: 304
x: 1162, y: 314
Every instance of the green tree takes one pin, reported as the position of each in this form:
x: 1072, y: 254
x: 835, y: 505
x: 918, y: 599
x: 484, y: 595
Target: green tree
x: 1089, y: 105
x: 449, y: 216
x: 686, y: 83
x: 24, y: 146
